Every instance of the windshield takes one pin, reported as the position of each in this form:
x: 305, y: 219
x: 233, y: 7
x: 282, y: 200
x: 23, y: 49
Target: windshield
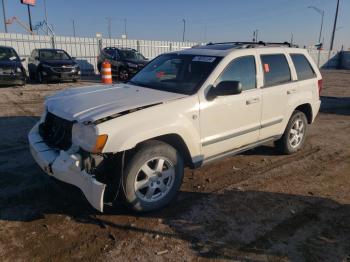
x: 53, y: 55
x: 130, y: 55
x: 8, y: 54
x: 176, y: 73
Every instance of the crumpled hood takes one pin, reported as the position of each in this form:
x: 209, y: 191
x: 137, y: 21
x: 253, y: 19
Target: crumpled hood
x: 88, y: 104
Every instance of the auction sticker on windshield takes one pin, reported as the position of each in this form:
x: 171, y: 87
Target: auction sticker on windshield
x: 207, y: 59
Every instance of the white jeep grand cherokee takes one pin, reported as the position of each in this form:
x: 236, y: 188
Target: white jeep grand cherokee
x: 184, y: 108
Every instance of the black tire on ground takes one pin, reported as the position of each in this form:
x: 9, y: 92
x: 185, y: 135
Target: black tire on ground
x: 123, y: 75
x: 39, y: 77
x: 146, y: 152
x: 31, y: 76
x: 284, y: 143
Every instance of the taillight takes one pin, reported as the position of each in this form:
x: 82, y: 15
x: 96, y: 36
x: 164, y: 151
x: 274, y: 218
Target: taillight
x: 320, y: 84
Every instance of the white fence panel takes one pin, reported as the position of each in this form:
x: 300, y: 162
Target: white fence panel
x: 86, y: 49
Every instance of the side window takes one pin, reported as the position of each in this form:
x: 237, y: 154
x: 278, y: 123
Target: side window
x: 110, y: 52
x: 303, y: 67
x: 241, y: 69
x: 276, y: 69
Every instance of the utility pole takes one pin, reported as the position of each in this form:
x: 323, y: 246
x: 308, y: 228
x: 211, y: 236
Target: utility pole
x: 334, y: 26
x: 125, y: 32
x: 4, y: 14
x: 184, y: 30
x: 321, y: 12
x: 47, y: 23
x: 73, y: 23
x: 109, y: 21
x: 255, y: 35
x: 291, y: 39
x: 30, y: 19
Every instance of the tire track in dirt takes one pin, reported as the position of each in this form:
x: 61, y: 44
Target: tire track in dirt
x: 28, y: 113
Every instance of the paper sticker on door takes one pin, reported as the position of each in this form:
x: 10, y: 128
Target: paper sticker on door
x: 266, y: 68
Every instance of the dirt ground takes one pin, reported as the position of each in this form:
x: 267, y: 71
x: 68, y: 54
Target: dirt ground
x: 257, y: 206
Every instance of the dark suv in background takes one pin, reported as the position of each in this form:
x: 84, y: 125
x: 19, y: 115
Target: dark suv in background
x: 12, y: 71
x: 125, y: 62
x: 52, y: 65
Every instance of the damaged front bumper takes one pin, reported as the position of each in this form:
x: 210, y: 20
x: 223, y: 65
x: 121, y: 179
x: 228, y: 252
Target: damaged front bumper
x: 66, y: 166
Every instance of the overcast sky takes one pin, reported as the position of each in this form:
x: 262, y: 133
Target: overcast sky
x: 206, y: 20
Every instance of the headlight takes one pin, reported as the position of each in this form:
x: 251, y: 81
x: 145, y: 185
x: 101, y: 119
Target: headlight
x: 86, y: 137
x: 18, y: 70
x: 132, y: 65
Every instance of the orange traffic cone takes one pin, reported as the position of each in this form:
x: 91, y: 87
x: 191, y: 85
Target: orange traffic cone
x: 106, y: 73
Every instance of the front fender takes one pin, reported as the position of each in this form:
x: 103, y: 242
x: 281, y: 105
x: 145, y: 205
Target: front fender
x: 180, y: 117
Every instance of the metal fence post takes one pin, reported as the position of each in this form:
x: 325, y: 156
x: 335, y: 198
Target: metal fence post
x: 53, y: 41
x: 100, y: 44
x: 138, y: 46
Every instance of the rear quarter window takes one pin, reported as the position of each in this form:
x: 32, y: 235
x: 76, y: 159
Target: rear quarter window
x: 303, y: 67
x: 276, y: 69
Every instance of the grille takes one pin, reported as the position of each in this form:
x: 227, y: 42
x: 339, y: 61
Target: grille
x: 56, y: 132
x: 63, y: 69
x: 6, y: 71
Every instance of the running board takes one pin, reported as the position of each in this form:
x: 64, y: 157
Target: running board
x: 238, y: 150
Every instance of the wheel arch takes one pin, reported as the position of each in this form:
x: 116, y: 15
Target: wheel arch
x: 307, y: 110
x: 175, y: 141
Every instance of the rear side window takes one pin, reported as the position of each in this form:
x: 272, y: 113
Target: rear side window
x: 276, y: 69
x: 241, y: 69
x: 303, y: 67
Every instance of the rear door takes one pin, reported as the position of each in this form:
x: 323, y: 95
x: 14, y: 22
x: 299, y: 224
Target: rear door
x: 278, y: 84
x: 307, y: 77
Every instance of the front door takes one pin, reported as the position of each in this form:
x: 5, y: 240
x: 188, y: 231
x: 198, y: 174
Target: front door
x: 229, y: 122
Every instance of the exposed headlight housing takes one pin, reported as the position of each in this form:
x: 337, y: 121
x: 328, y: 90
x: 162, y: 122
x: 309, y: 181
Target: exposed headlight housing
x: 43, y: 116
x: 87, y: 138
x: 132, y: 65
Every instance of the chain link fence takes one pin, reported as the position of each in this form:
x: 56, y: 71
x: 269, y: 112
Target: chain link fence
x: 86, y: 49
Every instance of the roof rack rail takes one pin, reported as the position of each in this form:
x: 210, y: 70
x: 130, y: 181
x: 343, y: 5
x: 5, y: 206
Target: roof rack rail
x: 256, y: 43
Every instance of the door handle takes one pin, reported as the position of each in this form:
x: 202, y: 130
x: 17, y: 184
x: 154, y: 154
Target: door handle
x: 292, y: 91
x: 252, y: 101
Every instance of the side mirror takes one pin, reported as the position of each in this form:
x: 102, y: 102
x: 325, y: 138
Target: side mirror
x: 225, y: 88
x: 74, y: 58
x: 23, y: 60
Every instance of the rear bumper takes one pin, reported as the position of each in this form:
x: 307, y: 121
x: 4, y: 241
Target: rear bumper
x: 66, y: 166
x: 315, y: 109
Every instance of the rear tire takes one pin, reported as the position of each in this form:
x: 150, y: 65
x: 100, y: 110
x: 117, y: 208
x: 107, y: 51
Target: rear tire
x: 153, y: 176
x: 294, y: 135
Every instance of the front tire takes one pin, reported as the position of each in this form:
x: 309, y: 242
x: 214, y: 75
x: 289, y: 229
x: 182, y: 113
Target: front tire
x: 123, y: 75
x: 39, y: 77
x: 153, y: 176
x: 294, y: 135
